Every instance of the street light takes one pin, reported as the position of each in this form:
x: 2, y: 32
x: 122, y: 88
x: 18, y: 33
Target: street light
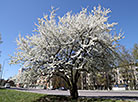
x: 0, y: 71
x: 2, y: 68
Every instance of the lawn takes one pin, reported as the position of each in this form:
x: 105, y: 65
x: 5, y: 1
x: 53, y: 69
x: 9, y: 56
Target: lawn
x: 17, y: 96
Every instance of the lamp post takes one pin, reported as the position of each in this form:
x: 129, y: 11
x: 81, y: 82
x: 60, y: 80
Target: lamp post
x: 2, y: 68
x: 0, y: 72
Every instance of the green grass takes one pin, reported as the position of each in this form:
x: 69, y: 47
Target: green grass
x: 17, y: 96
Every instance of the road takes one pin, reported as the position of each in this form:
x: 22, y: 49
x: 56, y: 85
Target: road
x: 88, y: 93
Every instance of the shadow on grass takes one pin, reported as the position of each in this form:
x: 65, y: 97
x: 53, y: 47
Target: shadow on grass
x: 53, y: 98
x: 58, y: 98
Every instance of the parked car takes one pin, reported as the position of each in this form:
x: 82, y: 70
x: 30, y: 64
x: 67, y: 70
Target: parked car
x: 62, y: 88
x: 120, y: 87
x: 7, y: 85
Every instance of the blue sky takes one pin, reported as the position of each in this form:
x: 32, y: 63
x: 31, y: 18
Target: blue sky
x: 19, y: 16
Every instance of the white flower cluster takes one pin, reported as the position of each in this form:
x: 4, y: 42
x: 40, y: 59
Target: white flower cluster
x: 28, y: 76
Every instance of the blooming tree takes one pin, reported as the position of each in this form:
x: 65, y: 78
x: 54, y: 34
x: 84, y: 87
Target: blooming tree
x: 27, y: 77
x: 63, y: 46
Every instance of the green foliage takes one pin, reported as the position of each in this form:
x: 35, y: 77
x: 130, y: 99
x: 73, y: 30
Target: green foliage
x: 135, y: 51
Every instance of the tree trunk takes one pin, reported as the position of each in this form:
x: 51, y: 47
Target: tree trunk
x: 74, y: 91
x: 72, y: 82
x: 82, y: 86
x: 107, y: 81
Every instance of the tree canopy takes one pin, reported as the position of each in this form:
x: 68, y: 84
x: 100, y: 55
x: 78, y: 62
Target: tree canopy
x: 64, y: 46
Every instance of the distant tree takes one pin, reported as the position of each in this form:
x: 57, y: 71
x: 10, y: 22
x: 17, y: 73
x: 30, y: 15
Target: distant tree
x: 64, y: 45
x: 135, y: 56
x: 11, y: 82
x: 126, y: 57
x: 135, y: 52
x: 58, y: 82
x: 128, y: 68
x: 2, y: 82
x: 29, y: 76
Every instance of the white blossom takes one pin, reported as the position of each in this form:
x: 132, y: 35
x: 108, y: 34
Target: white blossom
x: 69, y: 42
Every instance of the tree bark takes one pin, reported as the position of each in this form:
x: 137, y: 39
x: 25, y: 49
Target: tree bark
x: 73, y: 88
x: 74, y: 91
x: 72, y: 83
x: 82, y: 86
x: 107, y: 81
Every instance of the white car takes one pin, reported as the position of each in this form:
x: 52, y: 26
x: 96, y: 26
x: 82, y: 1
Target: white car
x: 7, y: 85
x: 119, y: 87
